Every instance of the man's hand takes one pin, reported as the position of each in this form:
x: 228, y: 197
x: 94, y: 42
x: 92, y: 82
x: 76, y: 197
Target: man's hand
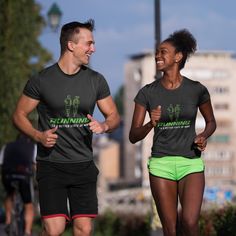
x: 96, y: 126
x: 155, y: 115
x: 49, y: 137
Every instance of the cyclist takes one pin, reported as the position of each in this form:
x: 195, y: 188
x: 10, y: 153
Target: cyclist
x: 17, y: 161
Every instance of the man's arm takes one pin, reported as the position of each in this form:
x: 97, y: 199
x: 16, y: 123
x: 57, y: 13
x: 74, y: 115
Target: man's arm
x: 24, y: 107
x: 112, y: 117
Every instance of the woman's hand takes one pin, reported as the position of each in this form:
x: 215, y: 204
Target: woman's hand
x: 155, y: 115
x: 200, y: 142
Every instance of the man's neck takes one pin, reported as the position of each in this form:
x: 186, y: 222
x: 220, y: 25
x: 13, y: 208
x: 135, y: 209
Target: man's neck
x: 68, y: 66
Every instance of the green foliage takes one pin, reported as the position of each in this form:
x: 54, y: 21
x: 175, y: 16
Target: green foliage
x: 107, y: 224
x: 206, y: 224
x: 20, y: 27
x: 216, y: 222
x: 113, y: 224
x: 219, y: 222
x: 225, y: 221
x: 119, y: 100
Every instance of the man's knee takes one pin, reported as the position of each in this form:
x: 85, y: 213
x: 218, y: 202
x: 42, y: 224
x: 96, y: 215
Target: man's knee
x: 54, y: 226
x: 82, y: 227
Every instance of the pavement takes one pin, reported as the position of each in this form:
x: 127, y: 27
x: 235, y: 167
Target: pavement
x: 155, y: 233
x: 2, y: 231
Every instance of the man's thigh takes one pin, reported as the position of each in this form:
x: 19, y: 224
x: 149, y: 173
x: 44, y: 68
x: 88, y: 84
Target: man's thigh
x: 52, y: 192
x: 83, y: 200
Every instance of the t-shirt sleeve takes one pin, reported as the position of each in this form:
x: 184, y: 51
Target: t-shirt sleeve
x: 204, y: 94
x: 141, y: 97
x: 32, y: 88
x: 103, y: 88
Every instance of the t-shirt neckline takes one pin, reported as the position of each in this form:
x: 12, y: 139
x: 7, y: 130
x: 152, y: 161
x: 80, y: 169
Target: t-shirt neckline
x: 175, y: 89
x: 68, y: 75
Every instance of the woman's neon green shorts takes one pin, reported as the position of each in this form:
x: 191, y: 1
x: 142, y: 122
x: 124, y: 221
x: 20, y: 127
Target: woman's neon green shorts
x: 174, y: 167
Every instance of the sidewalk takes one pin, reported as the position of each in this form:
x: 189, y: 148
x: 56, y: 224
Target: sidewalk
x: 2, y: 232
x: 157, y: 232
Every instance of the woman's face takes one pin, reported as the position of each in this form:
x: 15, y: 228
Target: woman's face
x: 166, y: 56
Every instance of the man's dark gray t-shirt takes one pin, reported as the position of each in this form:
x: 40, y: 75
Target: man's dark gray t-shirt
x: 64, y: 101
x: 175, y: 132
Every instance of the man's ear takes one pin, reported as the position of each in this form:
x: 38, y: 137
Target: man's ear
x: 70, y: 46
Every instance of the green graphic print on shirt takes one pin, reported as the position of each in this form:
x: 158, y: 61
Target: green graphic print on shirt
x: 71, y: 112
x: 174, y: 112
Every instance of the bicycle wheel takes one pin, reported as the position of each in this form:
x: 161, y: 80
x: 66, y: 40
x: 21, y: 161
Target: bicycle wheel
x: 17, y: 216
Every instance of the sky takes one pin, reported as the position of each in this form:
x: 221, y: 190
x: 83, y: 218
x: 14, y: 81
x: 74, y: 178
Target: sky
x: 127, y: 27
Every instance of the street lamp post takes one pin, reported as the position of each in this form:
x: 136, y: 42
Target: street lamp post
x: 157, y: 23
x: 157, y: 15
x: 155, y: 221
x: 54, y: 17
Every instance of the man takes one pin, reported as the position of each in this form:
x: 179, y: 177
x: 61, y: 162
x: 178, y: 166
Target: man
x: 17, y: 163
x: 65, y: 95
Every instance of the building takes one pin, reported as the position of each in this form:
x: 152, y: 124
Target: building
x: 217, y: 71
x: 139, y: 70
x: 107, y: 158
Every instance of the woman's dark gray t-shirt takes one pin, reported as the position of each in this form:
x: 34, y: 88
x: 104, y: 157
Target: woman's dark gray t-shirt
x: 174, y: 134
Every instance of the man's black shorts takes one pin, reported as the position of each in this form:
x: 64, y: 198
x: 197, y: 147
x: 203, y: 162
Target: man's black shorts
x: 67, y: 184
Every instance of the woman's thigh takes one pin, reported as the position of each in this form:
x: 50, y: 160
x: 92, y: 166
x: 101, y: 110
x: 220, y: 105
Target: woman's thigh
x: 165, y: 194
x: 191, y: 189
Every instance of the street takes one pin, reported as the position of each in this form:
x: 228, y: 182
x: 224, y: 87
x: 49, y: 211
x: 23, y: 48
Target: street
x: 2, y: 232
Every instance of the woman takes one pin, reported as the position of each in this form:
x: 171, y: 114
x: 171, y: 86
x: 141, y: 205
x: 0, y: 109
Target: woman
x: 176, y: 169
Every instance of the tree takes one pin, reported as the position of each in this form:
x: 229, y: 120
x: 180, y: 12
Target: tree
x: 21, y: 55
x: 119, y: 100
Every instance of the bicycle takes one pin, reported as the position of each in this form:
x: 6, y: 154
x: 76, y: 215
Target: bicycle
x: 16, y: 227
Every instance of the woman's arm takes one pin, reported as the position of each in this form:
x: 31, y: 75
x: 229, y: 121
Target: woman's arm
x: 138, y: 131
x: 208, y: 115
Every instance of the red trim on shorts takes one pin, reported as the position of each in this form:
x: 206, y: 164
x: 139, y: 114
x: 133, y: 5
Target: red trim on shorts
x: 84, y: 215
x: 56, y: 215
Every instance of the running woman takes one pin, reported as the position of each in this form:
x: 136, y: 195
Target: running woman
x: 176, y: 168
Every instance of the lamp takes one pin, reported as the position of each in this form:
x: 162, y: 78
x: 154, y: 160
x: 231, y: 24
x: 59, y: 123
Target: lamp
x: 54, y: 17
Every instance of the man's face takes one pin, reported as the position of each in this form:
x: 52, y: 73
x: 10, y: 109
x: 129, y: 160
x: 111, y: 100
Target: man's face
x: 84, y: 46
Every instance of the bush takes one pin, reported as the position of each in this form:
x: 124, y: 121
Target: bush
x: 121, y: 224
x: 215, y: 222
x: 219, y: 222
x: 224, y: 221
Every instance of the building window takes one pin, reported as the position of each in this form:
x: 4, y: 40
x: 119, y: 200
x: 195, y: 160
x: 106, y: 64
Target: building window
x: 223, y: 155
x: 223, y: 123
x: 221, y: 106
x: 219, y: 90
x: 219, y: 171
x: 219, y: 138
x: 206, y: 74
